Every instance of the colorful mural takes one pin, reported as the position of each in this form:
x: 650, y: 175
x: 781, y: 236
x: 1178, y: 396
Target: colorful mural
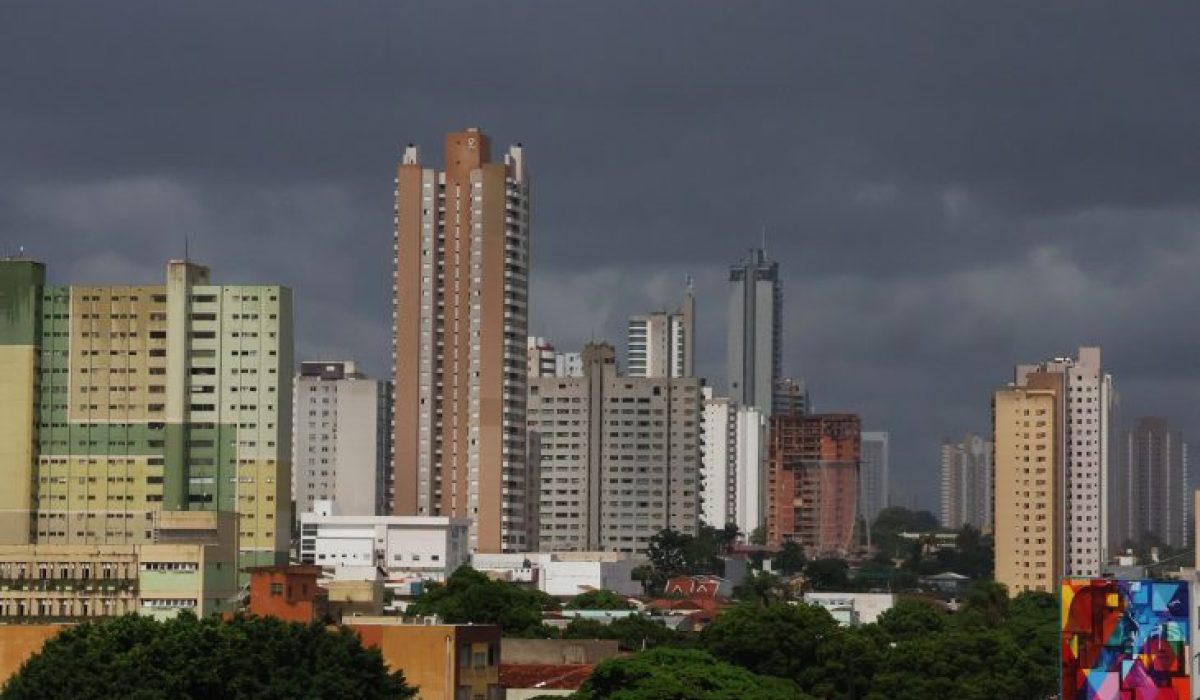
x: 1125, y: 640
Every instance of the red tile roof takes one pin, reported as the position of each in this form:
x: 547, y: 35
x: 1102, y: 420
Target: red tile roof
x: 544, y: 676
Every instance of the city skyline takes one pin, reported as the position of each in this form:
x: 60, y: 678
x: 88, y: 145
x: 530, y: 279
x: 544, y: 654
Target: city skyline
x: 919, y: 255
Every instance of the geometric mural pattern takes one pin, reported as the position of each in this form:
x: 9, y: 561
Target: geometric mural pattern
x: 1125, y: 640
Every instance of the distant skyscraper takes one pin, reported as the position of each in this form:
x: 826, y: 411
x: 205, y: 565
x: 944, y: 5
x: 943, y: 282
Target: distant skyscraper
x: 966, y: 470
x: 812, y: 482
x: 1153, y: 491
x: 661, y: 342
x: 755, y: 330
x: 622, y: 462
x: 540, y: 360
x: 791, y: 397
x: 341, y: 440
x: 873, y: 474
x: 460, y: 354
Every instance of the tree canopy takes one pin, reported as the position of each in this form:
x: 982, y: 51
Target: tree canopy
x: 184, y: 657
x: 599, y: 600
x: 680, y: 674
x: 885, y: 531
x: 470, y: 596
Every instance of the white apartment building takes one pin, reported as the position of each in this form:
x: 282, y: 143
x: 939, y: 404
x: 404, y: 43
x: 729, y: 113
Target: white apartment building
x: 341, y: 439
x: 429, y: 547
x: 873, y: 474
x: 564, y: 574
x: 720, y: 460
x: 1086, y: 413
x: 751, y: 468
x: 660, y: 343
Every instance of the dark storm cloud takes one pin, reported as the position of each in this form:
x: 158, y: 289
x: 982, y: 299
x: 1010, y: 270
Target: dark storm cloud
x: 950, y: 187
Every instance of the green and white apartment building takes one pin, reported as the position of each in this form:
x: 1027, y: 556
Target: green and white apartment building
x: 120, y: 403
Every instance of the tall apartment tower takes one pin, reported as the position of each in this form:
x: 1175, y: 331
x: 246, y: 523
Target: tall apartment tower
x: 1085, y: 414
x: 874, y: 474
x: 812, y: 481
x: 620, y: 457
x: 460, y: 318
x: 660, y: 343
x: 540, y: 360
x: 1028, y: 432
x: 1151, y: 485
x: 121, y: 402
x: 966, y: 484
x: 342, y: 439
x: 755, y: 330
x: 719, y: 470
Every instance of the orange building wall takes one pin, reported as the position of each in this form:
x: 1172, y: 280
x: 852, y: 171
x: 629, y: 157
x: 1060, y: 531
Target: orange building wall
x: 430, y: 656
x: 19, y: 642
x: 812, y: 482
x: 296, y: 599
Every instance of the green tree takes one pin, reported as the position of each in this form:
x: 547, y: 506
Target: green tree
x: 640, y: 632
x: 144, y: 659
x: 789, y: 560
x: 909, y: 619
x: 599, y: 600
x: 780, y: 639
x: 885, y: 531
x: 979, y: 664
x: 470, y: 596
x: 985, y: 604
x: 680, y: 674
x: 761, y: 587
x: 828, y: 574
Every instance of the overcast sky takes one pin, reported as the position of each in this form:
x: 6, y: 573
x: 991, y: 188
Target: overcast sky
x: 950, y: 188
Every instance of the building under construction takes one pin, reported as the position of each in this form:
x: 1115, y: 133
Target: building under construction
x: 812, y: 482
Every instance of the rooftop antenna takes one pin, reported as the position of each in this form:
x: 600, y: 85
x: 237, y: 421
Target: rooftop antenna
x: 764, y: 240
x: 185, y: 248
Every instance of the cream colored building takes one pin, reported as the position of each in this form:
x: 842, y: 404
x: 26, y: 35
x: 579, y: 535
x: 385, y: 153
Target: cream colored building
x: 1028, y: 485
x: 190, y: 566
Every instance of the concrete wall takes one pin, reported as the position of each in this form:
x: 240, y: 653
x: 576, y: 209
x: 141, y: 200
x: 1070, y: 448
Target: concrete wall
x: 556, y: 651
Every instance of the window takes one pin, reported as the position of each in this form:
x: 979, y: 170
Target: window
x: 276, y: 589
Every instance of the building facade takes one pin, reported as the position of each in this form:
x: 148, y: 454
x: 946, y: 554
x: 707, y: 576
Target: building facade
x: 874, y: 477
x: 460, y: 318
x: 1151, y: 485
x: 1085, y: 416
x: 620, y: 457
x: 755, y: 331
x: 191, y: 566
x: 1027, y: 432
x: 540, y: 358
x: 750, y: 469
x: 812, y: 482
x: 125, y: 401
x: 429, y: 547
x: 791, y: 397
x: 342, y: 438
x: 966, y: 483
x: 661, y: 343
x: 719, y: 470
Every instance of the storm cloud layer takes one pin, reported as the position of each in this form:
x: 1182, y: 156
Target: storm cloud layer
x: 950, y: 188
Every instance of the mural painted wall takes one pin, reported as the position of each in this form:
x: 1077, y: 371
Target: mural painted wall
x: 1125, y: 640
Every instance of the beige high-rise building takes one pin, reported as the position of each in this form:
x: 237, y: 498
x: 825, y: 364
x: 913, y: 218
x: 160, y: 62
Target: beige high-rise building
x: 620, y: 457
x: 1029, y: 483
x: 460, y: 318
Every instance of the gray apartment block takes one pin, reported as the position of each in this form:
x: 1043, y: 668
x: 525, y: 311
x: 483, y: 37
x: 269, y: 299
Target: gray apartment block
x: 755, y: 331
x: 341, y: 441
x: 619, y: 457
